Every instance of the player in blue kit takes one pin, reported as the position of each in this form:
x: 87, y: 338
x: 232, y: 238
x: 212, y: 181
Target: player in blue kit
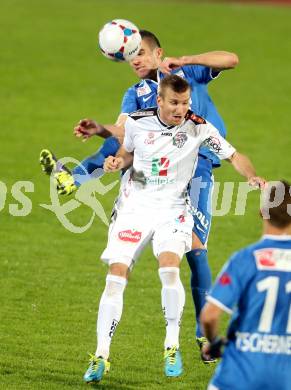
x: 255, y: 287
x: 198, y: 70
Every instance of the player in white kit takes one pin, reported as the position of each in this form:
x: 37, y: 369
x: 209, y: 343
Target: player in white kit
x: 160, y: 147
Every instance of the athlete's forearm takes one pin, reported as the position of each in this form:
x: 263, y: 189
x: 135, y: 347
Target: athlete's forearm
x: 217, y: 60
x: 243, y: 165
x: 111, y: 130
x: 210, y: 321
x: 126, y: 156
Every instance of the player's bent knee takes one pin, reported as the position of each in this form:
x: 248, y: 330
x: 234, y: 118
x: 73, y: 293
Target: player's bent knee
x: 196, y: 243
x: 170, y: 253
x: 118, y: 269
x: 169, y: 259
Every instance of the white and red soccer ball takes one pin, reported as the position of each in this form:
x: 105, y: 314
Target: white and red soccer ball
x: 119, y: 40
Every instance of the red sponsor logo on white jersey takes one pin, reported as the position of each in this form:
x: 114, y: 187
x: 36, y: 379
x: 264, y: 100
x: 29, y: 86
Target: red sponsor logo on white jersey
x: 266, y: 259
x: 151, y: 139
x: 129, y: 236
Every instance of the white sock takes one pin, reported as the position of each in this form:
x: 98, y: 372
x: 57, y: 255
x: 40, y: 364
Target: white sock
x: 173, y: 300
x: 109, y: 314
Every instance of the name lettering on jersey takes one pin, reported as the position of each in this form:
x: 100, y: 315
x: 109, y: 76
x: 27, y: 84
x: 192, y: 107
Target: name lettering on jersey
x: 169, y: 134
x: 180, y: 139
x: 150, y: 140
x: 263, y: 343
x: 143, y: 90
x: 130, y: 236
x: 213, y: 143
x: 270, y: 259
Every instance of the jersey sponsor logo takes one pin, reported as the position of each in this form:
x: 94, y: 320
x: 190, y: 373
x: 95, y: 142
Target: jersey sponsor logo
x: 224, y: 279
x: 213, y: 143
x: 273, y: 259
x: 143, y: 90
x: 160, y: 166
x: 150, y: 140
x: 197, y: 119
x: 167, y: 133
x: 180, y: 219
x: 129, y: 236
x: 179, y: 139
x: 157, y: 180
x: 201, y: 217
x: 142, y: 113
x: 198, y: 227
x: 180, y: 73
x: 145, y: 99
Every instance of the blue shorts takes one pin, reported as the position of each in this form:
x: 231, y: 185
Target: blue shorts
x: 200, y: 191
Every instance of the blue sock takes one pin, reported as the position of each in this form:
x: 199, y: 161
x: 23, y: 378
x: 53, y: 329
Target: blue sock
x: 92, y: 167
x: 200, y: 281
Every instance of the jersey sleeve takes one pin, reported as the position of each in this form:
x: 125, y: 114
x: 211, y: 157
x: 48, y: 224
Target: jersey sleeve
x: 200, y: 73
x: 129, y: 127
x: 212, y: 139
x: 231, y: 281
x: 129, y: 101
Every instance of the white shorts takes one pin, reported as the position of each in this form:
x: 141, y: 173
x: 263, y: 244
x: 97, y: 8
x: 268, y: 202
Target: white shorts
x: 130, y: 232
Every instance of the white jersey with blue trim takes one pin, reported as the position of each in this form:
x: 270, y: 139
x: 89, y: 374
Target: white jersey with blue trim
x: 165, y: 157
x: 255, y: 286
x: 144, y: 94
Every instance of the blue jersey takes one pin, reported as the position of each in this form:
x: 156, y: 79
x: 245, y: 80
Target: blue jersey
x: 255, y: 286
x: 144, y: 95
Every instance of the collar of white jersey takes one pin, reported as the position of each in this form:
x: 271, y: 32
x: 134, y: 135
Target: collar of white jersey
x: 278, y: 237
x: 164, y: 124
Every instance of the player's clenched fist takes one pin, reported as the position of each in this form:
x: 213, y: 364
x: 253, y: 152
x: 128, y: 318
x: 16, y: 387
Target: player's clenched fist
x: 113, y: 164
x: 86, y: 128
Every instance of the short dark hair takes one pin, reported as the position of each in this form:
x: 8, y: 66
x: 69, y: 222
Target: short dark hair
x: 175, y: 83
x: 280, y: 216
x: 150, y: 37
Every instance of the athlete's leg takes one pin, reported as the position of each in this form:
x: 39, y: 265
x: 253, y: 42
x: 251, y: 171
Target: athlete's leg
x: 173, y: 300
x: 200, y: 195
x: 109, y: 314
x: 92, y: 166
x: 110, y: 307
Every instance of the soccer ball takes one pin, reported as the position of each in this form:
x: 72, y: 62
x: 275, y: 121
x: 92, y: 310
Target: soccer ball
x: 119, y: 40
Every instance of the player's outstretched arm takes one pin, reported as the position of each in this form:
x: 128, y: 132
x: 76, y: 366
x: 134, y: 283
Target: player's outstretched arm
x: 217, y: 60
x: 86, y: 128
x: 244, y: 166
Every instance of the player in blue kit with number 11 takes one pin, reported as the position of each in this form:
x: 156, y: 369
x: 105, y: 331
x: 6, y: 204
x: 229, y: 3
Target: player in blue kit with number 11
x: 255, y: 287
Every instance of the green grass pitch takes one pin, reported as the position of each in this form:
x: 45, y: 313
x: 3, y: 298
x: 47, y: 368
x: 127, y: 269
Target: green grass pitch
x: 52, y: 75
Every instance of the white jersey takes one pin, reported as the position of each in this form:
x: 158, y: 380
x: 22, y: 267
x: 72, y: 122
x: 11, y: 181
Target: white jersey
x: 165, y: 158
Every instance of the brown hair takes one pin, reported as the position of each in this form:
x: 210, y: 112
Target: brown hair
x: 175, y: 83
x: 280, y: 215
x: 150, y: 37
